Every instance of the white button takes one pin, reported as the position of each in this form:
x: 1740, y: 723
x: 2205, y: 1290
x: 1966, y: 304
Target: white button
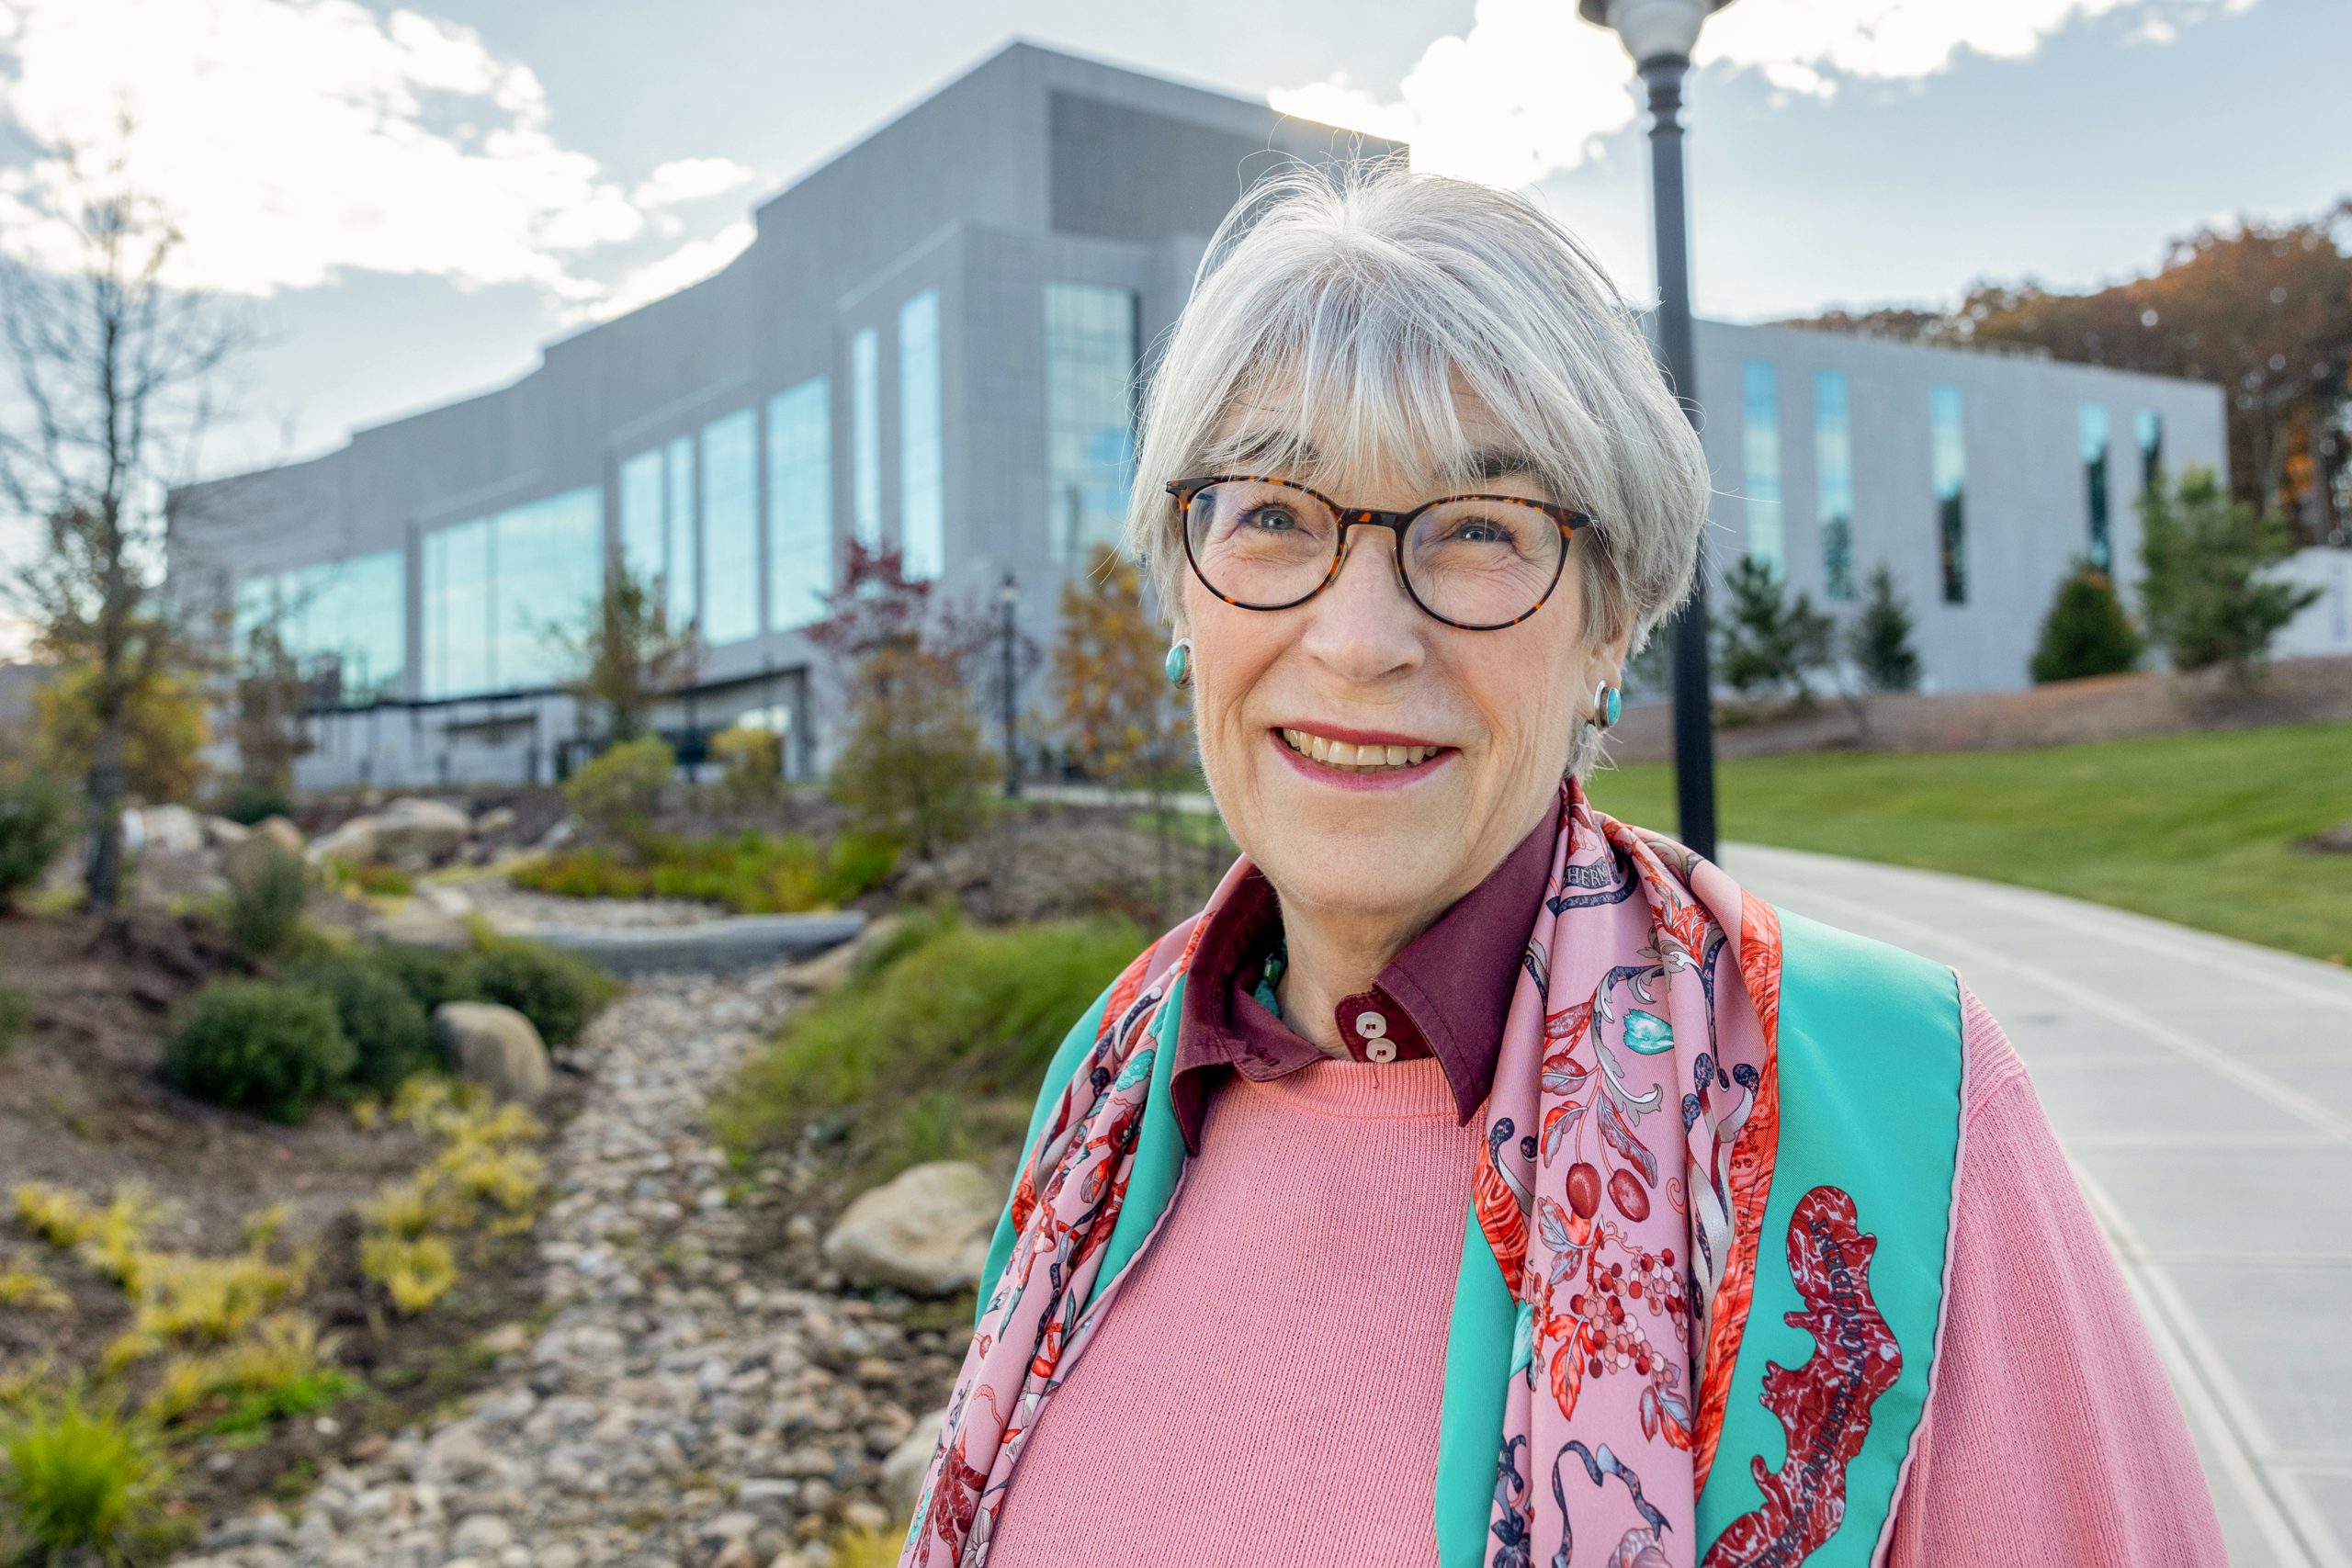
x: 1381, y: 1050
x: 1371, y: 1025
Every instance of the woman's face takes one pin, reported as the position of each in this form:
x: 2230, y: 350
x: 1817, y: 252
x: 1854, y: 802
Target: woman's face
x: 1359, y: 664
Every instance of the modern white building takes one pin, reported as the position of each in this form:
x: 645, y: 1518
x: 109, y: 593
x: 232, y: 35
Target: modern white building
x: 934, y: 342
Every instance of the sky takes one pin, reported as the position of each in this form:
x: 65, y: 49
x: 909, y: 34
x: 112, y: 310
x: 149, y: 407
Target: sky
x: 409, y: 202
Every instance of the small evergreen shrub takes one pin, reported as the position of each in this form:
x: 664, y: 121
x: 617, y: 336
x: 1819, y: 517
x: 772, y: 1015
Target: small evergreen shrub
x: 259, y: 1046
x: 430, y: 974
x: 389, y: 1034
x: 1879, y: 641
x: 559, y: 993
x: 2085, y: 632
x: 248, y: 803
x: 36, y: 820
x: 266, y: 904
x: 80, y: 1481
x: 618, y: 793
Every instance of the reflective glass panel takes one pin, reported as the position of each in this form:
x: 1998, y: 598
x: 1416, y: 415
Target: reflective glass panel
x: 550, y: 556
x: 2096, y: 440
x: 1833, y: 481
x: 685, y: 600
x: 801, y: 504
x: 457, y: 647
x: 2149, y: 426
x: 866, y: 437
x: 1759, y: 408
x: 644, y: 543
x: 1090, y: 439
x: 1948, y: 471
x: 730, y: 527
x: 922, y: 458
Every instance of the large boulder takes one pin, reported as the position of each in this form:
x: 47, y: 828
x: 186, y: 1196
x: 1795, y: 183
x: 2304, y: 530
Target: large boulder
x: 281, y: 832
x: 352, y: 841
x: 902, y: 1473
x: 171, y: 829
x: 412, y: 832
x: 223, y: 834
x: 243, y: 864
x: 926, y: 1231
x: 495, y: 1046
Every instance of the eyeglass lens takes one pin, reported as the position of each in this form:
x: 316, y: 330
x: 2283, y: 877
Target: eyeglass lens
x: 1477, y: 562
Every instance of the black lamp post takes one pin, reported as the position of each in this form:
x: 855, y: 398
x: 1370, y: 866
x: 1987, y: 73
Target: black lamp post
x: 1007, y: 598
x: 1659, y: 35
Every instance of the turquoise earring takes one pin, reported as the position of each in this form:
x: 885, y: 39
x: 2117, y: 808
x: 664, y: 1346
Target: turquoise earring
x: 1609, y: 703
x: 1180, y: 662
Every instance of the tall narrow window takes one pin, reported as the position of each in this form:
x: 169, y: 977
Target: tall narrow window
x: 678, y: 464
x: 801, y: 504
x: 1090, y: 439
x: 2097, y: 438
x: 866, y: 437
x: 1759, y: 408
x: 923, y: 460
x: 1948, y: 469
x: 730, y: 527
x: 1832, y: 481
x: 2149, y: 426
x: 459, y: 564
x: 551, y: 569
x: 644, y: 541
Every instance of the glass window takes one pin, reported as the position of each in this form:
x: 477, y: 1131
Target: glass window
x: 2149, y: 426
x: 497, y: 590
x: 551, y: 563
x: 644, y: 539
x: 2096, y: 440
x: 344, y: 622
x: 678, y: 464
x: 922, y: 461
x: 730, y: 527
x: 1090, y: 440
x: 1832, y: 481
x: 801, y: 504
x: 1759, y: 408
x: 866, y: 437
x: 458, y: 567
x: 1947, y: 466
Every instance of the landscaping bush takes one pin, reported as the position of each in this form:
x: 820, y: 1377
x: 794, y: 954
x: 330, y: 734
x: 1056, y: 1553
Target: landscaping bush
x: 260, y: 1047
x: 78, y: 1480
x: 266, y: 904
x: 751, y: 763
x: 559, y: 993
x: 750, y: 874
x: 248, y: 803
x: 2085, y: 632
x: 618, y: 793
x: 974, y: 1015
x: 430, y: 974
x: 389, y: 1034
x: 36, y: 821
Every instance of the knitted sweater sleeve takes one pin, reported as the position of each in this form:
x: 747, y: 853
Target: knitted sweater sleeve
x: 2051, y: 1433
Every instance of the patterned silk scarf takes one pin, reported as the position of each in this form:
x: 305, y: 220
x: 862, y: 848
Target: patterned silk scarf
x: 1622, y: 1191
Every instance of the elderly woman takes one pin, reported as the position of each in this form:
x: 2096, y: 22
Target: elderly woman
x: 1478, y: 1180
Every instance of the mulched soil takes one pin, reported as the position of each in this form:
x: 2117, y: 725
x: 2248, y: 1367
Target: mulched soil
x: 84, y: 1106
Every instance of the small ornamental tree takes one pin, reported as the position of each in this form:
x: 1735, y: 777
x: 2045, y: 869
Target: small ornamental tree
x: 160, y: 729
x: 1765, y: 643
x: 1879, y: 642
x: 913, y: 766
x: 625, y: 654
x: 268, y: 726
x: 2206, y: 596
x: 2086, y: 632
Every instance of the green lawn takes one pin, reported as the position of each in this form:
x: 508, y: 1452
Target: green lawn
x: 2198, y: 829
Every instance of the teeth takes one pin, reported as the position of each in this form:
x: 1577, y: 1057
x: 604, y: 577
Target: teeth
x: 1356, y: 758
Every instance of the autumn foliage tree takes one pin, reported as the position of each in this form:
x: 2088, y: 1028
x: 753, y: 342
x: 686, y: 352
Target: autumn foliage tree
x: 2262, y: 310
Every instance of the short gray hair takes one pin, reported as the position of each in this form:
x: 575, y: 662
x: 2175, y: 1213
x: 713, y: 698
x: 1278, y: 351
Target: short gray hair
x: 1350, y: 304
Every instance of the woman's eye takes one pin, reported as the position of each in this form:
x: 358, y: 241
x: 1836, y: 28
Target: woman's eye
x: 1269, y: 519
x: 1476, y: 531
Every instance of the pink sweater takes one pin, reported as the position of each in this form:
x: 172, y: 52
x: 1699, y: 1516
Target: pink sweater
x: 1333, y: 1196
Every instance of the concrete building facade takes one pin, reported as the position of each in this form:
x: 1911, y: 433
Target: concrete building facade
x: 932, y: 345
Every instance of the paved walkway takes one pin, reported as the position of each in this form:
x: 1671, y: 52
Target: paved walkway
x: 2203, y: 1088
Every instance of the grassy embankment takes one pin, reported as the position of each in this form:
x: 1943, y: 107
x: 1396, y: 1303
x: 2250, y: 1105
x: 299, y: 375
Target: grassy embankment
x: 2197, y: 829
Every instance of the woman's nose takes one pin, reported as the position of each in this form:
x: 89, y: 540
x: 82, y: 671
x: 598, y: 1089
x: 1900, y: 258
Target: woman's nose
x: 1363, y: 626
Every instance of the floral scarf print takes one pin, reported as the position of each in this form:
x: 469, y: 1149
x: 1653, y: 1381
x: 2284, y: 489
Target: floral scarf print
x: 1621, y: 1191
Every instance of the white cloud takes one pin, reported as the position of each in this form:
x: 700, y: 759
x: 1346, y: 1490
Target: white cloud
x: 690, y: 263
x: 1529, y: 88
x: 294, y: 141
x: 691, y: 179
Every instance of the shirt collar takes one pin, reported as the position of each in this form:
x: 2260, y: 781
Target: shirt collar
x: 1445, y: 995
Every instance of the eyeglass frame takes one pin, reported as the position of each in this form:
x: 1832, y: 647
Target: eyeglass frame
x: 1396, y: 523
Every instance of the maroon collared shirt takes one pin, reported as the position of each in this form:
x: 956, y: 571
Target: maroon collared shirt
x: 1445, y: 995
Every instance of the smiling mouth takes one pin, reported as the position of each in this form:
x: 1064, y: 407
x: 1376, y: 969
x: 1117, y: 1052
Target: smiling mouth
x: 1356, y: 758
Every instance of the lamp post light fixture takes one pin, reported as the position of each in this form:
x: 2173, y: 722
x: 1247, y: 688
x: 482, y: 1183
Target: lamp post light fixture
x: 1659, y: 35
x: 1007, y: 598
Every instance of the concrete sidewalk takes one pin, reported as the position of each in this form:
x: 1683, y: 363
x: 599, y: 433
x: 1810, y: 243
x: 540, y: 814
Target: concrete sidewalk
x: 2203, y: 1088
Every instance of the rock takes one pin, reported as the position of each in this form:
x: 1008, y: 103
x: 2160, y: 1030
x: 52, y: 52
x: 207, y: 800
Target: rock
x: 446, y: 900
x: 480, y: 1535
x: 866, y: 1515
x: 497, y: 820
x: 505, y: 1339
x: 2336, y: 841
x: 281, y: 832
x: 175, y: 828
x: 244, y: 863
x: 221, y: 833
x: 495, y: 1046
x: 926, y: 1231
x: 902, y: 1473
x: 415, y: 923
x: 353, y: 842
x: 413, y: 833
x: 830, y: 968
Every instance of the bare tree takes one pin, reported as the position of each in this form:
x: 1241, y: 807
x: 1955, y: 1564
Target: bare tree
x: 115, y: 373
